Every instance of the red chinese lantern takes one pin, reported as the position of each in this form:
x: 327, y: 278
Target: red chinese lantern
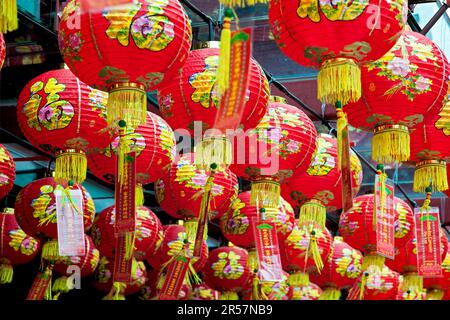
x: 62, y: 116
x: 310, y: 291
x: 237, y: 224
x: 227, y: 271
x: 35, y: 207
x: 436, y: 287
x: 400, y: 91
x: 154, y: 283
x: 283, y: 141
x: 155, y: 32
x: 154, y: 144
x: 378, y: 284
x: 319, y: 189
x: 271, y: 290
x: 16, y: 247
x: 7, y: 171
x: 103, y: 276
x: 336, y: 38
x: 2, y: 50
x: 340, y: 271
x: 147, y: 233
x: 179, y: 193
x: 203, y: 292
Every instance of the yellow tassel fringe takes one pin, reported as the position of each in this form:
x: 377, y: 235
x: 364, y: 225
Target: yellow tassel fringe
x: 71, y: 165
x: 330, y: 293
x: 435, y: 294
x: 116, y: 292
x: 298, y: 279
x: 391, y: 145
x: 342, y: 123
x: 430, y: 173
x: 130, y: 239
x: 62, y: 285
x: 229, y: 295
x: 139, y: 195
x: 223, y: 70
x: 127, y: 102
x: 256, y: 289
x: 313, y: 210
x: 339, y: 80
x: 213, y: 150
x: 412, y: 282
x: 373, y: 260
x: 6, y: 273
x: 266, y: 192
x: 50, y: 251
x: 242, y: 3
x: 8, y: 16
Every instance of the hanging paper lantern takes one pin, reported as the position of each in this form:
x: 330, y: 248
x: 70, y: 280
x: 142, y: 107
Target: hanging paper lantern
x: 2, y: 50
x: 16, y: 247
x: 283, y: 141
x: 35, y: 207
x: 271, y: 290
x: 150, y: 290
x: 379, y: 284
x: 7, y: 171
x: 154, y: 144
x: 400, y: 91
x: 146, y: 234
x: 104, y: 274
x: 336, y: 38
x: 340, y: 271
x: 154, y: 36
x: 179, y: 193
x: 192, y: 95
x: 320, y: 187
x: 62, y: 116
x: 227, y: 271
x: 436, y: 287
x: 203, y: 292
x: 311, y: 291
x: 237, y: 224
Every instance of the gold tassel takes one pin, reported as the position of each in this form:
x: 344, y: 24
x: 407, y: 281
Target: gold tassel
x: 116, y: 292
x: 127, y: 101
x: 373, y: 260
x: 313, y: 248
x: 70, y: 164
x: 256, y: 290
x: 313, y: 211
x: 330, y: 293
x: 265, y: 192
x: 299, y: 279
x: 430, y: 173
x: 61, y: 285
x: 391, y: 144
x: 339, y: 80
x: 413, y: 283
x: 124, y: 150
x: 242, y: 3
x: 435, y: 294
x: 50, y: 251
x: 341, y: 125
x: 130, y: 238
x: 211, y: 150
x: 223, y: 70
x: 382, y: 178
x: 6, y: 273
x: 139, y: 195
x: 191, y: 227
x: 229, y: 295
x: 8, y: 16
x: 426, y: 203
x: 192, y: 275
x: 363, y: 285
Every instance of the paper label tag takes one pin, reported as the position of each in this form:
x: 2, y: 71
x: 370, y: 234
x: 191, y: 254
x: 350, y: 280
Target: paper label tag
x: 39, y: 286
x: 428, y: 242
x: 268, y: 250
x: 385, y: 219
x: 125, y: 197
x: 233, y: 101
x: 69, y: 215
x: 173, y: 282
x: 122, y: 265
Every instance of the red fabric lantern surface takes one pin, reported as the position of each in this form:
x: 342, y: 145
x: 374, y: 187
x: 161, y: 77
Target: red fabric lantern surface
x: 227, y: 271
x: 336, y: 38
x: 157, y: 32
x: 87, y: 263
x: 179, y: 193
x: 400, y: 91
x: 283, y: 141
x: 311, y: 291
x: 192, y: 94
x: 342, y: 268
x: 7, y: 171
x: 16, y: 247
x: 237, y: 224
x: 155, y: 147
x: 322, y: 182
x: 442, y: 283
x: 271, y: 290
x: 151, y: 292
x: 379, y: 285
x: 147, y: 233
x: 62, y: 116
x: 173, y: 243
x: 2, y: 50
x: 203, y: 292
x: 356, y: 225
x: 35, y: 208
x: 103, y: 276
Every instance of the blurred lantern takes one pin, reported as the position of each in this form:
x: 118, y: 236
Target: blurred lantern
x: 7, y: 171
x: 35, y: 207
x: 436, y: 287
x: 237, y: 224
x: 311, y: 291
x: 319, y: 189
x: 400, y: 91
x: 180, y: 192
x: 62, y: 116
x: 341, y: 270
x: 103, y: 277
x: 156, y: 31
x: 8, y: 16
x: 283, y: 141
x: 377, y: 283
x: 154, y: 144
x: 16, y: 247
x: 227, y: 271
x: 2, y: 50
x: 336, y: 38
x: 203, y: 292
x: 147, y: 233
x: 271, y: 290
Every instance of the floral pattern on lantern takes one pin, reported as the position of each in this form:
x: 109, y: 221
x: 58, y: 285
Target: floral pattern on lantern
x: 7, y: 171
x: 379, y: 285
